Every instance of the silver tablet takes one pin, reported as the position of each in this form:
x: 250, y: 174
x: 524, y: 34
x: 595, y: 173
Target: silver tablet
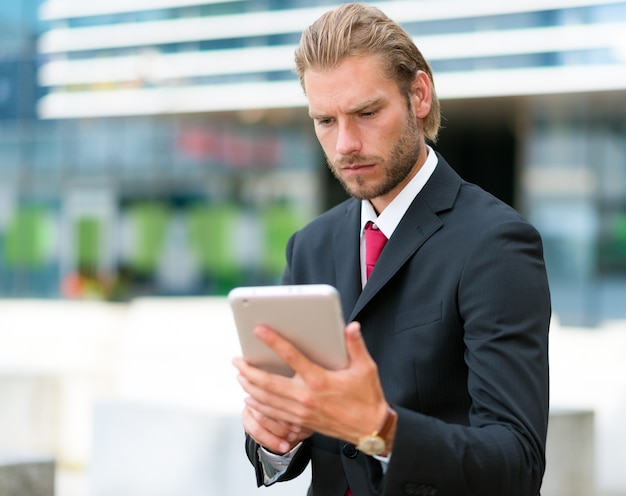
x: 309, y: 316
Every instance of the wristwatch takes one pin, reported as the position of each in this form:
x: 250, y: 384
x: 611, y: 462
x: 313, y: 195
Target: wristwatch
x: 375, y: 443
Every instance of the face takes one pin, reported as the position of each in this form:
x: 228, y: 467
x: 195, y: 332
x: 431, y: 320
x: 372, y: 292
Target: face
x: 370, y: 134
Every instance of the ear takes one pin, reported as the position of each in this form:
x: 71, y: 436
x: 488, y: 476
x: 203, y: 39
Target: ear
x: 421, y: 94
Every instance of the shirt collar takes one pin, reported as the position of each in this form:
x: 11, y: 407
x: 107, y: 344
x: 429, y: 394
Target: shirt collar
x: 389, y: 219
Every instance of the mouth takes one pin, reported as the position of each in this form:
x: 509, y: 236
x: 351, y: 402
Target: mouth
x: 356, y: 169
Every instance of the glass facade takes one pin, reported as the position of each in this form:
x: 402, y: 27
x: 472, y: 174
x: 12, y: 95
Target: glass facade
x: 19, y: 30
x: 167, y: 150
x: 576, y: 194
x: 173, y: 205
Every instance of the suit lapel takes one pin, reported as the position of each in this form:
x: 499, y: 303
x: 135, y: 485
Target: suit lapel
x: 419, y: 223
x: 347, y: 257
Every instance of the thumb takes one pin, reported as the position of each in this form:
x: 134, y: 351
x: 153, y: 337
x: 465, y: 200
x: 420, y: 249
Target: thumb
x: 355, y: 345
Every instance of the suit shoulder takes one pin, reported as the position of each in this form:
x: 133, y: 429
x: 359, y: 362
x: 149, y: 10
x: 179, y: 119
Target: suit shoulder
x: 447, y: 188
x: 473, y: 197
x: 331, y: 217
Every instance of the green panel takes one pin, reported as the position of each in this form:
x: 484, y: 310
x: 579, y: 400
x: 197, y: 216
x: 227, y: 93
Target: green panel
x: 620, y: 228
x: 24, y: 246
x: 611, y: 250
x: 210, y: 231
x: 279, y: 222
x: 87, y: 235
x: 150, y: 221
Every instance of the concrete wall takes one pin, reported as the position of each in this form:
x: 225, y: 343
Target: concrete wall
x: 68, y: 368
x: 570, y: 468
x: 26, y: 474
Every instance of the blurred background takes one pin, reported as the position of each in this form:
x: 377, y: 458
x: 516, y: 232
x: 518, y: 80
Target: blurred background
x: 156, y: 153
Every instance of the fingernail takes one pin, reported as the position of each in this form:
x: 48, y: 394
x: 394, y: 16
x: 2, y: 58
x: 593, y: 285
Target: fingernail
x: 260, y: 331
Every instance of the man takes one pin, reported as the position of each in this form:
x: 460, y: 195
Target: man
x: 447, y: 388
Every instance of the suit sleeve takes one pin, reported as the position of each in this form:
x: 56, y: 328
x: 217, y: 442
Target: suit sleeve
x: 296, y: 467
x: 504, y: 304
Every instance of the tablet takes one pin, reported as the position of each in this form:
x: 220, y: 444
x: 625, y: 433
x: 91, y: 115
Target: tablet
x: 308, y: 315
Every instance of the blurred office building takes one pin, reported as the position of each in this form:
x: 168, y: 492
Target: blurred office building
x: 164, y: 146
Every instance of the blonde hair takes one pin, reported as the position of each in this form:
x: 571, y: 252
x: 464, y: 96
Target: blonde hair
x: 354, y: 29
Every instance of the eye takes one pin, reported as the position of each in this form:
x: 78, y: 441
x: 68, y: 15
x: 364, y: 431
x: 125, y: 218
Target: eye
x: 324, y: 122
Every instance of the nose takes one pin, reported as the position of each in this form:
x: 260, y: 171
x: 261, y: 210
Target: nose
x: 348, y: 139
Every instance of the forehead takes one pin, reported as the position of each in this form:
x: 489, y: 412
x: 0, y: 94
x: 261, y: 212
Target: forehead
x: 353, y: 80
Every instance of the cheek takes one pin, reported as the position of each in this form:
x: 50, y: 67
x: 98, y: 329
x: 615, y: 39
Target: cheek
x: 381, y: 142
x: 326, y: 140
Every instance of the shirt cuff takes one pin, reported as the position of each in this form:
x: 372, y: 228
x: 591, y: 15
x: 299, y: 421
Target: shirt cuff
x: 384, y: 461
x: 275, y: 465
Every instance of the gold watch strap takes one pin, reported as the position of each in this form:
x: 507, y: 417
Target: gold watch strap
x: 390, y: 419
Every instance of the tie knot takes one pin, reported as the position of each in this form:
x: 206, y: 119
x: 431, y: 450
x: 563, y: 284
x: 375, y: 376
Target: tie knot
x: 374, y: 243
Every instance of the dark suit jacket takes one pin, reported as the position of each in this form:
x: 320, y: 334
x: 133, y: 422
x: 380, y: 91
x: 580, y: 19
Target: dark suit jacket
x: 456, y: 315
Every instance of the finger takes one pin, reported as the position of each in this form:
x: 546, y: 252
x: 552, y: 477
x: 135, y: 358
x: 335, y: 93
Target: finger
x: 279, y: 428
x: 253, y: 376
x: 256, y: 381
x: 303, y: 367
x: 249, y: 371
x: 277, y: 408
x: 276, y: 432
x: 263, y: 436
x: 355, y: 345
x: 272, y: 395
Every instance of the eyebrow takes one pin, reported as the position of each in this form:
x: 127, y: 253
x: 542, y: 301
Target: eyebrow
x: 360, y: 107
x: 373, y: 102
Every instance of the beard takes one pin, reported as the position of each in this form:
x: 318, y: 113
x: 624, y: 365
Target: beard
x: 400, y: 163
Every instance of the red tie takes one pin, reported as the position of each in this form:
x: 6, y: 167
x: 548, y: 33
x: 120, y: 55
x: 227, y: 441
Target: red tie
x: 374, y: 243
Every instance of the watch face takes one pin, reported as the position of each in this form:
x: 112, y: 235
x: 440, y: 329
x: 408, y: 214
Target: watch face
x: 371, y: 445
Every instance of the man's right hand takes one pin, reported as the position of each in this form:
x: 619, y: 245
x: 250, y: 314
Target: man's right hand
x: 274, y: 435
